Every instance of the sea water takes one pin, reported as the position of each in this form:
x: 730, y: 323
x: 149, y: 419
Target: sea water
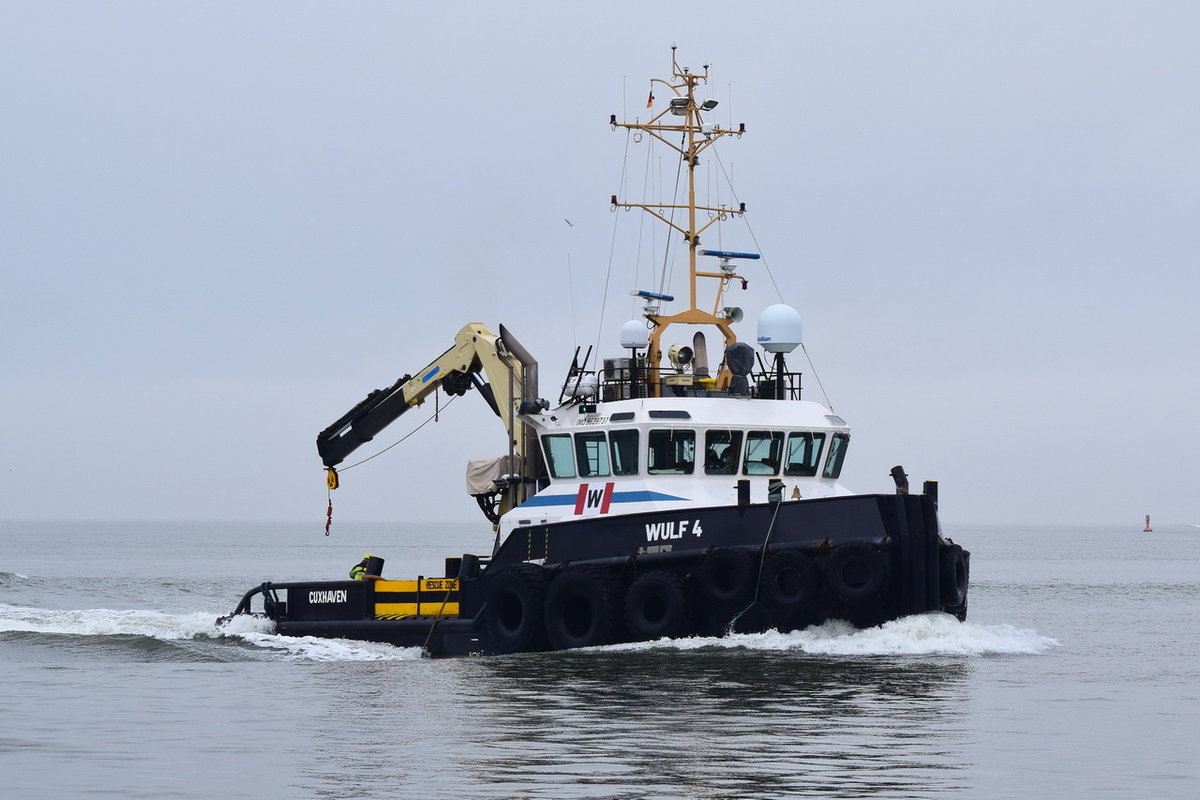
x: 1077, y: 674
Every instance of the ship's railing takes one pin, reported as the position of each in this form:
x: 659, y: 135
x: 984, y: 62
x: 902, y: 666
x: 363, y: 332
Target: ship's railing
x: 625, y: 381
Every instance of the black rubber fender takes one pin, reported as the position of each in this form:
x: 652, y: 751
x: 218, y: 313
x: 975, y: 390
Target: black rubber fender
x: 583, y: 608
x: 789, y: 583
x: 516, y: 603
x: 656, y: 606
x: 953, y: 576
x: 856, y: 572
x: 727, y: 576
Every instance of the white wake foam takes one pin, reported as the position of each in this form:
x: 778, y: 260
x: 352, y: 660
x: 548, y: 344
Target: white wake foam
x: 197, y: 625
x: 922, y: 634
x: 257, y: 631
x: 311, y: 648
x: 108, y: 622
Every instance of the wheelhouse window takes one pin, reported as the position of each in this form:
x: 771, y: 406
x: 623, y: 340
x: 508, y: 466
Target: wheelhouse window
x: 764, y: 452
x: 560, y: 458
x: 837, y: 455
x: 803, y: 454
x: 624, y: 447
x: 721, y: 449
x: 591, y: 454
x: 671, y: 452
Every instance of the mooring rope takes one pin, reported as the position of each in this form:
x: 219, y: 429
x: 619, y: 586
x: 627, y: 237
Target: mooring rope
x: 437, y: 618
x: 762, y: 558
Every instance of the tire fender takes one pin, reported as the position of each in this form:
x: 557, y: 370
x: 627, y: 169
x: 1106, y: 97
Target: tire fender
x: 727, y: 576
x: 657, y: 605
x: 856, y: 572
x: 515, y: 609
x: 953, y: 576
x: 583, y: 609
x: 790, y: 582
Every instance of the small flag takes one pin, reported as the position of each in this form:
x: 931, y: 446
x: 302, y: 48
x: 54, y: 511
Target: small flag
x: 650, y: 101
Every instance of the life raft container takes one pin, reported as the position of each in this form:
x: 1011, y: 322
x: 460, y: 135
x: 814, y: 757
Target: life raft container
x: 856, y: 572
x: 583, y: 609
x: 516, y: 603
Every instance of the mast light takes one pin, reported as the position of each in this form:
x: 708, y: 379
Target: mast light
x: 709, y: 105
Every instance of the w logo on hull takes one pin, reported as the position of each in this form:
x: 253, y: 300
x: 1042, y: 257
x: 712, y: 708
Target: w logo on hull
x: 593, y: 499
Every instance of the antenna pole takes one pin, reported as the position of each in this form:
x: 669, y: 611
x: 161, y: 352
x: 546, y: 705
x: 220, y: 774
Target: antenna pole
x: 681, y: 127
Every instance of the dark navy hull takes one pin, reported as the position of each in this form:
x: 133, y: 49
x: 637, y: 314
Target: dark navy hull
x: 865, y: 558
x: 437, y: 637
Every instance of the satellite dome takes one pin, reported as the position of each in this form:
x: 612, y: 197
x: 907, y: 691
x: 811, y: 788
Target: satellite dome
x: 633, y: 334
x: 780, y: 329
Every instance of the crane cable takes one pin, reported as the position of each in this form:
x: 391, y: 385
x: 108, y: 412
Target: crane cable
x: 331, y: 474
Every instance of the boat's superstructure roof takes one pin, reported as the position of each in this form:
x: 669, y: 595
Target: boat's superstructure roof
x: 729, y: 411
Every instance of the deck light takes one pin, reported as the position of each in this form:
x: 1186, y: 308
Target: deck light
x: 680, y: 355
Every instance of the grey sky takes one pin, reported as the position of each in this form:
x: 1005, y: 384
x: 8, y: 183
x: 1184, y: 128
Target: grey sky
x: 221, y: 224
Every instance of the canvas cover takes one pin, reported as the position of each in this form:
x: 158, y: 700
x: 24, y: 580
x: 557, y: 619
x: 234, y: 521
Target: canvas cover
x: 483, y: 472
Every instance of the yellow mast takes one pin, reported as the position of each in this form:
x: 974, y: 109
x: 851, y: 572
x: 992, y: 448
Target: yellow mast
x: 696, y: 135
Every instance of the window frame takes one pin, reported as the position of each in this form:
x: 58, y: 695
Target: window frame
x: 553, y: 459
x: 732, y: 445
x: 676, y: 437
x: 839, y: 442
x: 626, y: 449
x: 587, y: 453
x: 776, y: 439
x: 815, y: 450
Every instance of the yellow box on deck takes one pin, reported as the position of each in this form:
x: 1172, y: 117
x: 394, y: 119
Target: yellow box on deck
x: 421, y: 597
x: 422, y: 585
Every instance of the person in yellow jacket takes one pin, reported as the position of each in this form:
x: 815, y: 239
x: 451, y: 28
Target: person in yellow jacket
x: 359, y: 571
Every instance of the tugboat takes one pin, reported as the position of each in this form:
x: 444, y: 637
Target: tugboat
x: 663, y: 496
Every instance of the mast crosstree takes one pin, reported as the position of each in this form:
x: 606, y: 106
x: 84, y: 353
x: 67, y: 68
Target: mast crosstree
x: 683, y: 118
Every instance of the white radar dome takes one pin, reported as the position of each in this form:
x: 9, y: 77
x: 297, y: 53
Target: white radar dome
x: 633, y: 334
x: 780, y: 329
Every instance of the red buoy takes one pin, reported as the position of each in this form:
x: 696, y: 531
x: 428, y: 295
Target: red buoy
x: 1147, y: 529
